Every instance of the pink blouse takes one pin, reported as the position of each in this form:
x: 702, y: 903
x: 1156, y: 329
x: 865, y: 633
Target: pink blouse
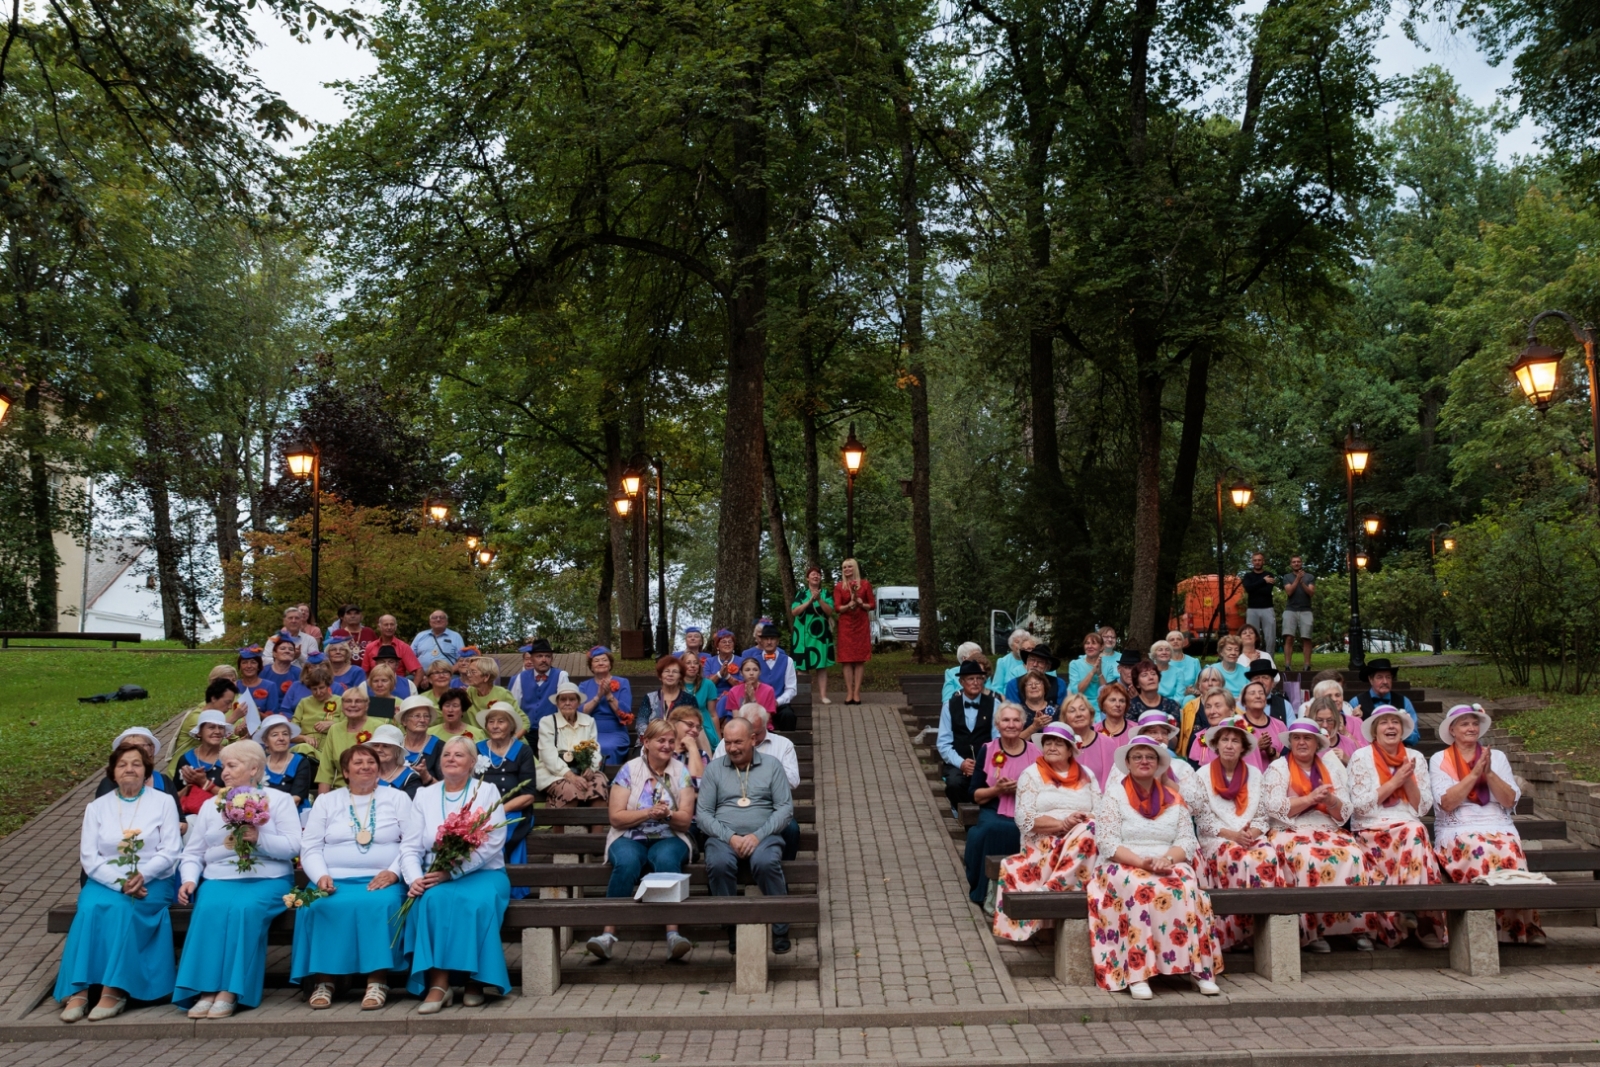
x: 1012, y: 768
x: 734, y: 699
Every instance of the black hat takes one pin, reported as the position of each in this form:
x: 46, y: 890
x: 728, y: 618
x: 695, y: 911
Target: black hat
x: 771, y: 630
x: 970, y: 667
x: 538, y: 644
x: 1130, y: 658
x: 1260, y: 668
x: 1042, y: 652
x: 386, y: 652
x: 1380, y: 664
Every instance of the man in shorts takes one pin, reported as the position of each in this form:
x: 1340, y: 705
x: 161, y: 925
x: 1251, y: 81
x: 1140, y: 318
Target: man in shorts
x: 1298, y: 585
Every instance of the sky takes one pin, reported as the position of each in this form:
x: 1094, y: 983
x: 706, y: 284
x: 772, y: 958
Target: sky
x: 298, y: 72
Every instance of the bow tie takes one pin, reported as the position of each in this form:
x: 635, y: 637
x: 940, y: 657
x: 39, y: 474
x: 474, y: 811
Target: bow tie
x: 970, y: 703
x: 540, y: 677
x: 770, y: 657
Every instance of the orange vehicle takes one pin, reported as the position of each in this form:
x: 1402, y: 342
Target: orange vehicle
x: 1194, y: 608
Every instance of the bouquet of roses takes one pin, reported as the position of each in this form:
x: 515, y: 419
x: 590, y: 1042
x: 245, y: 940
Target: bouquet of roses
x: 243, y: 807
x: 303, y: 896
x: 128, y: 854
x: 584, y: 754
x: 459, y: 836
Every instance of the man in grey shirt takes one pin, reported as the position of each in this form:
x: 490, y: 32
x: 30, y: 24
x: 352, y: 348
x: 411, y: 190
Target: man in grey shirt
x: 743, y: 806
x: 1298, y: 586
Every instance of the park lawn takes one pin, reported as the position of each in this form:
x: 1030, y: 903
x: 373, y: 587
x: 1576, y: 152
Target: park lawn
x: 51, y: 742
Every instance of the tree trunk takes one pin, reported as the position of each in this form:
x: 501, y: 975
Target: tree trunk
x: 737, y: 593
x: 45, y: 605
x: 775, y: 527
x: 808, y: 435
x: 168, y: 580
x: 619, y: 576
x: 603, y: 603
x: 225, y: 512
x: 928, y: 643
x: 1178, y: 507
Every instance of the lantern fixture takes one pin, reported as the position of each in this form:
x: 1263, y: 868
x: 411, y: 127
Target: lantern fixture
x: 1449, y: 544
x: 1241, y: 493
x: 302, y: 459
x: 485, y: 556
x: 623, y: 503
x: 473, y: 541
x: 1371, y: 523
x: 854, y: 453
x: 5, y: 404
x: 1538, y: 371
x: 1362, y: 560
x: 632, y: 481
x: 1356, y: 453
x: 438, y: 509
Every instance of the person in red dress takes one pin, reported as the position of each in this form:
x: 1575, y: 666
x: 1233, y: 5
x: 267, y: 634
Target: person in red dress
x: 854, y: 600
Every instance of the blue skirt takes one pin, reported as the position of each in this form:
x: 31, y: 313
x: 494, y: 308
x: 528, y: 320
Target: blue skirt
x: 455, y: 926
x: 120, y: 942
x: 351, y: 932
x: 226, y: 947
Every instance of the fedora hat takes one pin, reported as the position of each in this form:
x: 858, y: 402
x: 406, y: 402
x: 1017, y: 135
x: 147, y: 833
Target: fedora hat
x: 1040, y: 652
x: 1382, y: 663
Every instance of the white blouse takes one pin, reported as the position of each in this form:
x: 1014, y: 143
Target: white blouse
x: 1212, y: 814
x: 1368, y: 812
x: 1471, y: 818
x: 432, y: 808
x: 206, y: 852
x: 556, y: 737
x: 1034, y: 799
x: 154, y: 815
x: 1117, y: 825
x: 328, y: 845
x: 1275, y: 797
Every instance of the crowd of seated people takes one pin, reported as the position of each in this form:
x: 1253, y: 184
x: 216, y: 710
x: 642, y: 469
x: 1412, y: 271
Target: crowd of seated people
x: 300, y: 757
x: 1145, y: 801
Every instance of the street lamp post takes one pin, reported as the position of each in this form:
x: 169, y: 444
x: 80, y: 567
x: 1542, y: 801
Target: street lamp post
x: 1433, y: 568
x: 663, y: 640
x: 305, y: 461
x: 1537, y: 369
x: 634, y: 483
x: 5, y: 404
x: 1356, y: 455
x: 1240, y: 493
x: 854, y: 454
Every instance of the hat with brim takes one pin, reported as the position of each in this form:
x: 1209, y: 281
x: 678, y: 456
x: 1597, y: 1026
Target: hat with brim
x: 138, y: 731
x: 316, y: 657
x: 1368, y: 729
x: 1208, y: 739
x: 1261, y: 669
x: 1309, y: 728
x: 1041, y: 652
x: 253, y: 652
x: 1129, y: 658
x: 1059, y: 731
x: 1448, y: 724
x: 336, y: 639
x: 1163, y: 754
x: 970, y: 667
x: 537, y: 645
x: 260, y: 736
x: 412, y: 703
x: 1373, y: 666
x: 769, y: 630
x: 566, y: 688
x: 209, y: 717
x: 499, y: 707
x: 386, y: 652
x: 1155, y: 718
x: 598, y: 650
x: 388, y: 734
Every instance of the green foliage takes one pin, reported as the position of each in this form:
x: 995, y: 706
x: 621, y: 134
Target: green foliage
x: 1403, y: 597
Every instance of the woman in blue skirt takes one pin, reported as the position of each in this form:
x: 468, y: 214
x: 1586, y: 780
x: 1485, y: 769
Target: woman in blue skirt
x: 351, y: 850
x: 225, y: 956
x: 453, y: 930
x: 121, y: 936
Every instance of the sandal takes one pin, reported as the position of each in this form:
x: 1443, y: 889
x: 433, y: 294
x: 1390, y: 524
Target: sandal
x: 377, y: 996
x: 321, y: 996
x: 75, y: 1008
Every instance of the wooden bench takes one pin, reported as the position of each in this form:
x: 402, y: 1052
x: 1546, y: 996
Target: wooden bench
x: 589, y: 875
x: 8, y: 636
x: 594, y: 844
x: 804, y: 814
x: 1474, y: 937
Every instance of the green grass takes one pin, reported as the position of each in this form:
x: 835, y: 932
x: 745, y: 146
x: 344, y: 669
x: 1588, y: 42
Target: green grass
x: 52, y: 742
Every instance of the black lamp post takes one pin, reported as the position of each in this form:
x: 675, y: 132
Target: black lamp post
x: 1240, y: 493
x: 305, y: 461
x: 1538, y: 369
x: 5, y: 404
x: 635, y: 484
x: 1433, y: 551
x: 663, y: 639
x: 854, y: 455
x: 1356, y: 455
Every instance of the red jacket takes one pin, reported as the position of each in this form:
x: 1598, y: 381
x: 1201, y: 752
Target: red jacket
x: 408, y: 658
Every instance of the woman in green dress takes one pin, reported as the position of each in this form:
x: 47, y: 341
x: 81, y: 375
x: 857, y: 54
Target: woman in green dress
x: 812, y: 612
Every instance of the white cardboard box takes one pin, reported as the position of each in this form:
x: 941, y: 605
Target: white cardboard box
x: 662, y: 888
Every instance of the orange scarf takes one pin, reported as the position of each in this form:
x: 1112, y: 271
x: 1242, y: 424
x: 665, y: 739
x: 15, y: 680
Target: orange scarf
x: 1152, y: 804
x: 1301, y: 784
x: 1387, y: 767
x: 1237, y: 790
x: 1458, y: 769
x: 1073, y: 779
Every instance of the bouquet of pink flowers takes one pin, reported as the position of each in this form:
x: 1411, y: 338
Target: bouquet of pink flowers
x: 460, y: 835
x: 243, y: 807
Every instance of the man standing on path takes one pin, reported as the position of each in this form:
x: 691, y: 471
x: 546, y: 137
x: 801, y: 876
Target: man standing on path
x: 1259, y: 612
x: 1298, y: 588
x: 437, y: 642
x: 743, y: 806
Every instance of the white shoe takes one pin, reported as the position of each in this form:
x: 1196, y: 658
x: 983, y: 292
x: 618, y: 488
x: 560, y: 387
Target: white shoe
x: 1319, y: 946
x: 1141, y: 991
x: 1363, y: 944
x: 678, y: 946
x: 201, y: 1009
x: 1205, y: 986
x: 600, y: 945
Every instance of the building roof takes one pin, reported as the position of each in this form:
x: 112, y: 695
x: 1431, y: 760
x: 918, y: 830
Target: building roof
x: 108, y: 561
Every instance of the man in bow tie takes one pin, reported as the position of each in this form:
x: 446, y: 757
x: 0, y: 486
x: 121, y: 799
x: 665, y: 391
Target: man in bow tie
x: 534, y: 688
x: 965, y: 725
x: 777, y: 670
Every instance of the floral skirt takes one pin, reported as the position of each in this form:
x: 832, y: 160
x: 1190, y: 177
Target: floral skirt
x: 1313, y: 858
x: 1400, y: 854
x: 1469, y: 855
x: 1143, y: 924
x: 565, y: 793
x: 1226, y: 865
x: 1057, y: 864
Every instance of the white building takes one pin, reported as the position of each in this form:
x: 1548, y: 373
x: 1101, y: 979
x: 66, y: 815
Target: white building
x: 118, y: 583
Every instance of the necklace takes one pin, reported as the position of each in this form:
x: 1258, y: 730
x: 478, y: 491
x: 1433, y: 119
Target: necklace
x: 135, y: 801
x: 445, y: 797
x: 744, y: 783
x: 365, y: 834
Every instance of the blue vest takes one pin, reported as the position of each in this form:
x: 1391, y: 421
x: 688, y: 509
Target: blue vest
x: 348, y: 680
x: 496, y: 761
x: 401, y: 779
x: 776, y: 675
x: 287, y: 778
x: 277, y: 690
x: 536, y: 703
x: 414, y: 759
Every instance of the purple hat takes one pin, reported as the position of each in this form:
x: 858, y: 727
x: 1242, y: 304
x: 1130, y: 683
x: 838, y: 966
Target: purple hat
x: 599, y: 650
x: 1447, y: 725
x: 316, y: 657
x: 336, y: 639
x: 720, y: 634
x: 1368, y: 729
x: 252, y: 652
x: 1163, y: 754
x: 1309, y: 728
x: 1061, y: 732
x: 692, y: 630
x: 1154, y: 718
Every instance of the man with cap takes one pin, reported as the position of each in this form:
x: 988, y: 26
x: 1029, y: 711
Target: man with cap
x: 777, y: 670
x: 1041, y: 661
x: 535, y: 685
x: 437, y: 642
x: 1379, y: 675
x: 279, y: 677
x: 966, y: 724
x: 387, y: 627
x: 1127, y: 660
x: 722, y: 666
x: 351, y: 628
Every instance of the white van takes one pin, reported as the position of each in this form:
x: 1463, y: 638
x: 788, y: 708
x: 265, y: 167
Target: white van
x: 898, y: 616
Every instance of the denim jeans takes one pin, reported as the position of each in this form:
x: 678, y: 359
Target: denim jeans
x: 630, y: 858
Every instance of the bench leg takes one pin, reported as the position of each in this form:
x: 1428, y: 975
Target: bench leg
x: 1474, y: 943
x: 1277, y: 947
x: 541, y: 961
x: 1074, y: 956
x: 750, y: 964
x: 565, y: 891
